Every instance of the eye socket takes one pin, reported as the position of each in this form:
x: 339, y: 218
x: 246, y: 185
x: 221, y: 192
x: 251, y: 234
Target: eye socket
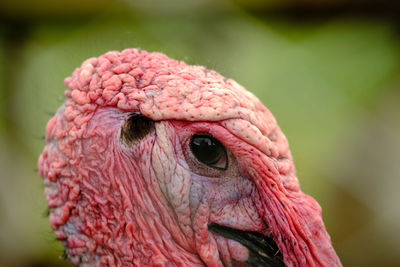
x: 209, y: 151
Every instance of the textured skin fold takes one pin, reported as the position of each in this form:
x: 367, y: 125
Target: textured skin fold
x: 143, y: 204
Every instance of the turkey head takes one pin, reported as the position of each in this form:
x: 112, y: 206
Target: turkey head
x: 153, y: 162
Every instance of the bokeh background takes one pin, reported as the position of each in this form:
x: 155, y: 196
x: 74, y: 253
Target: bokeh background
x: 329, y: 71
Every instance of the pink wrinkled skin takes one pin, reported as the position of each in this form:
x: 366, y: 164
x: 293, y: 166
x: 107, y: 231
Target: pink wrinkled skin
x: 147, y: 204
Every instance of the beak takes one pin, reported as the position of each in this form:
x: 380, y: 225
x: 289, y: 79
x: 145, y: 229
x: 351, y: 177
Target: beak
x: 263, y: 250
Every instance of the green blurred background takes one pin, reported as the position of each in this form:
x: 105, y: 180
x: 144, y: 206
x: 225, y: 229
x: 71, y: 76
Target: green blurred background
x: 330, y: 73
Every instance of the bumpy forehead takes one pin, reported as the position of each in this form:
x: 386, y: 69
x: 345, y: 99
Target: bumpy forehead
x: 162, y: 88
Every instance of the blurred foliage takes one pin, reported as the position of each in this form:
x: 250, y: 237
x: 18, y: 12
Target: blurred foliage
x: 332, y: 83
x: 43, y: 9
x: 2, y: 71
x: 299, y: 4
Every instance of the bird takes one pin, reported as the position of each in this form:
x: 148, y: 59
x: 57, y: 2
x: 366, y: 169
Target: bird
x: 154, y: 162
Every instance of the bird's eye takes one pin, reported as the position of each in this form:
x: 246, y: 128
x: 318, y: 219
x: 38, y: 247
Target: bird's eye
x: 209, y: 151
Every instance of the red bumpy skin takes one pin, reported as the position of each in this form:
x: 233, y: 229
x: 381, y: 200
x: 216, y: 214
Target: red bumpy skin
x: 149, y: 202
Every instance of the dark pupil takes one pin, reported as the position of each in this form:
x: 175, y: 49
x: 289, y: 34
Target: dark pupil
x: 207, y: 149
